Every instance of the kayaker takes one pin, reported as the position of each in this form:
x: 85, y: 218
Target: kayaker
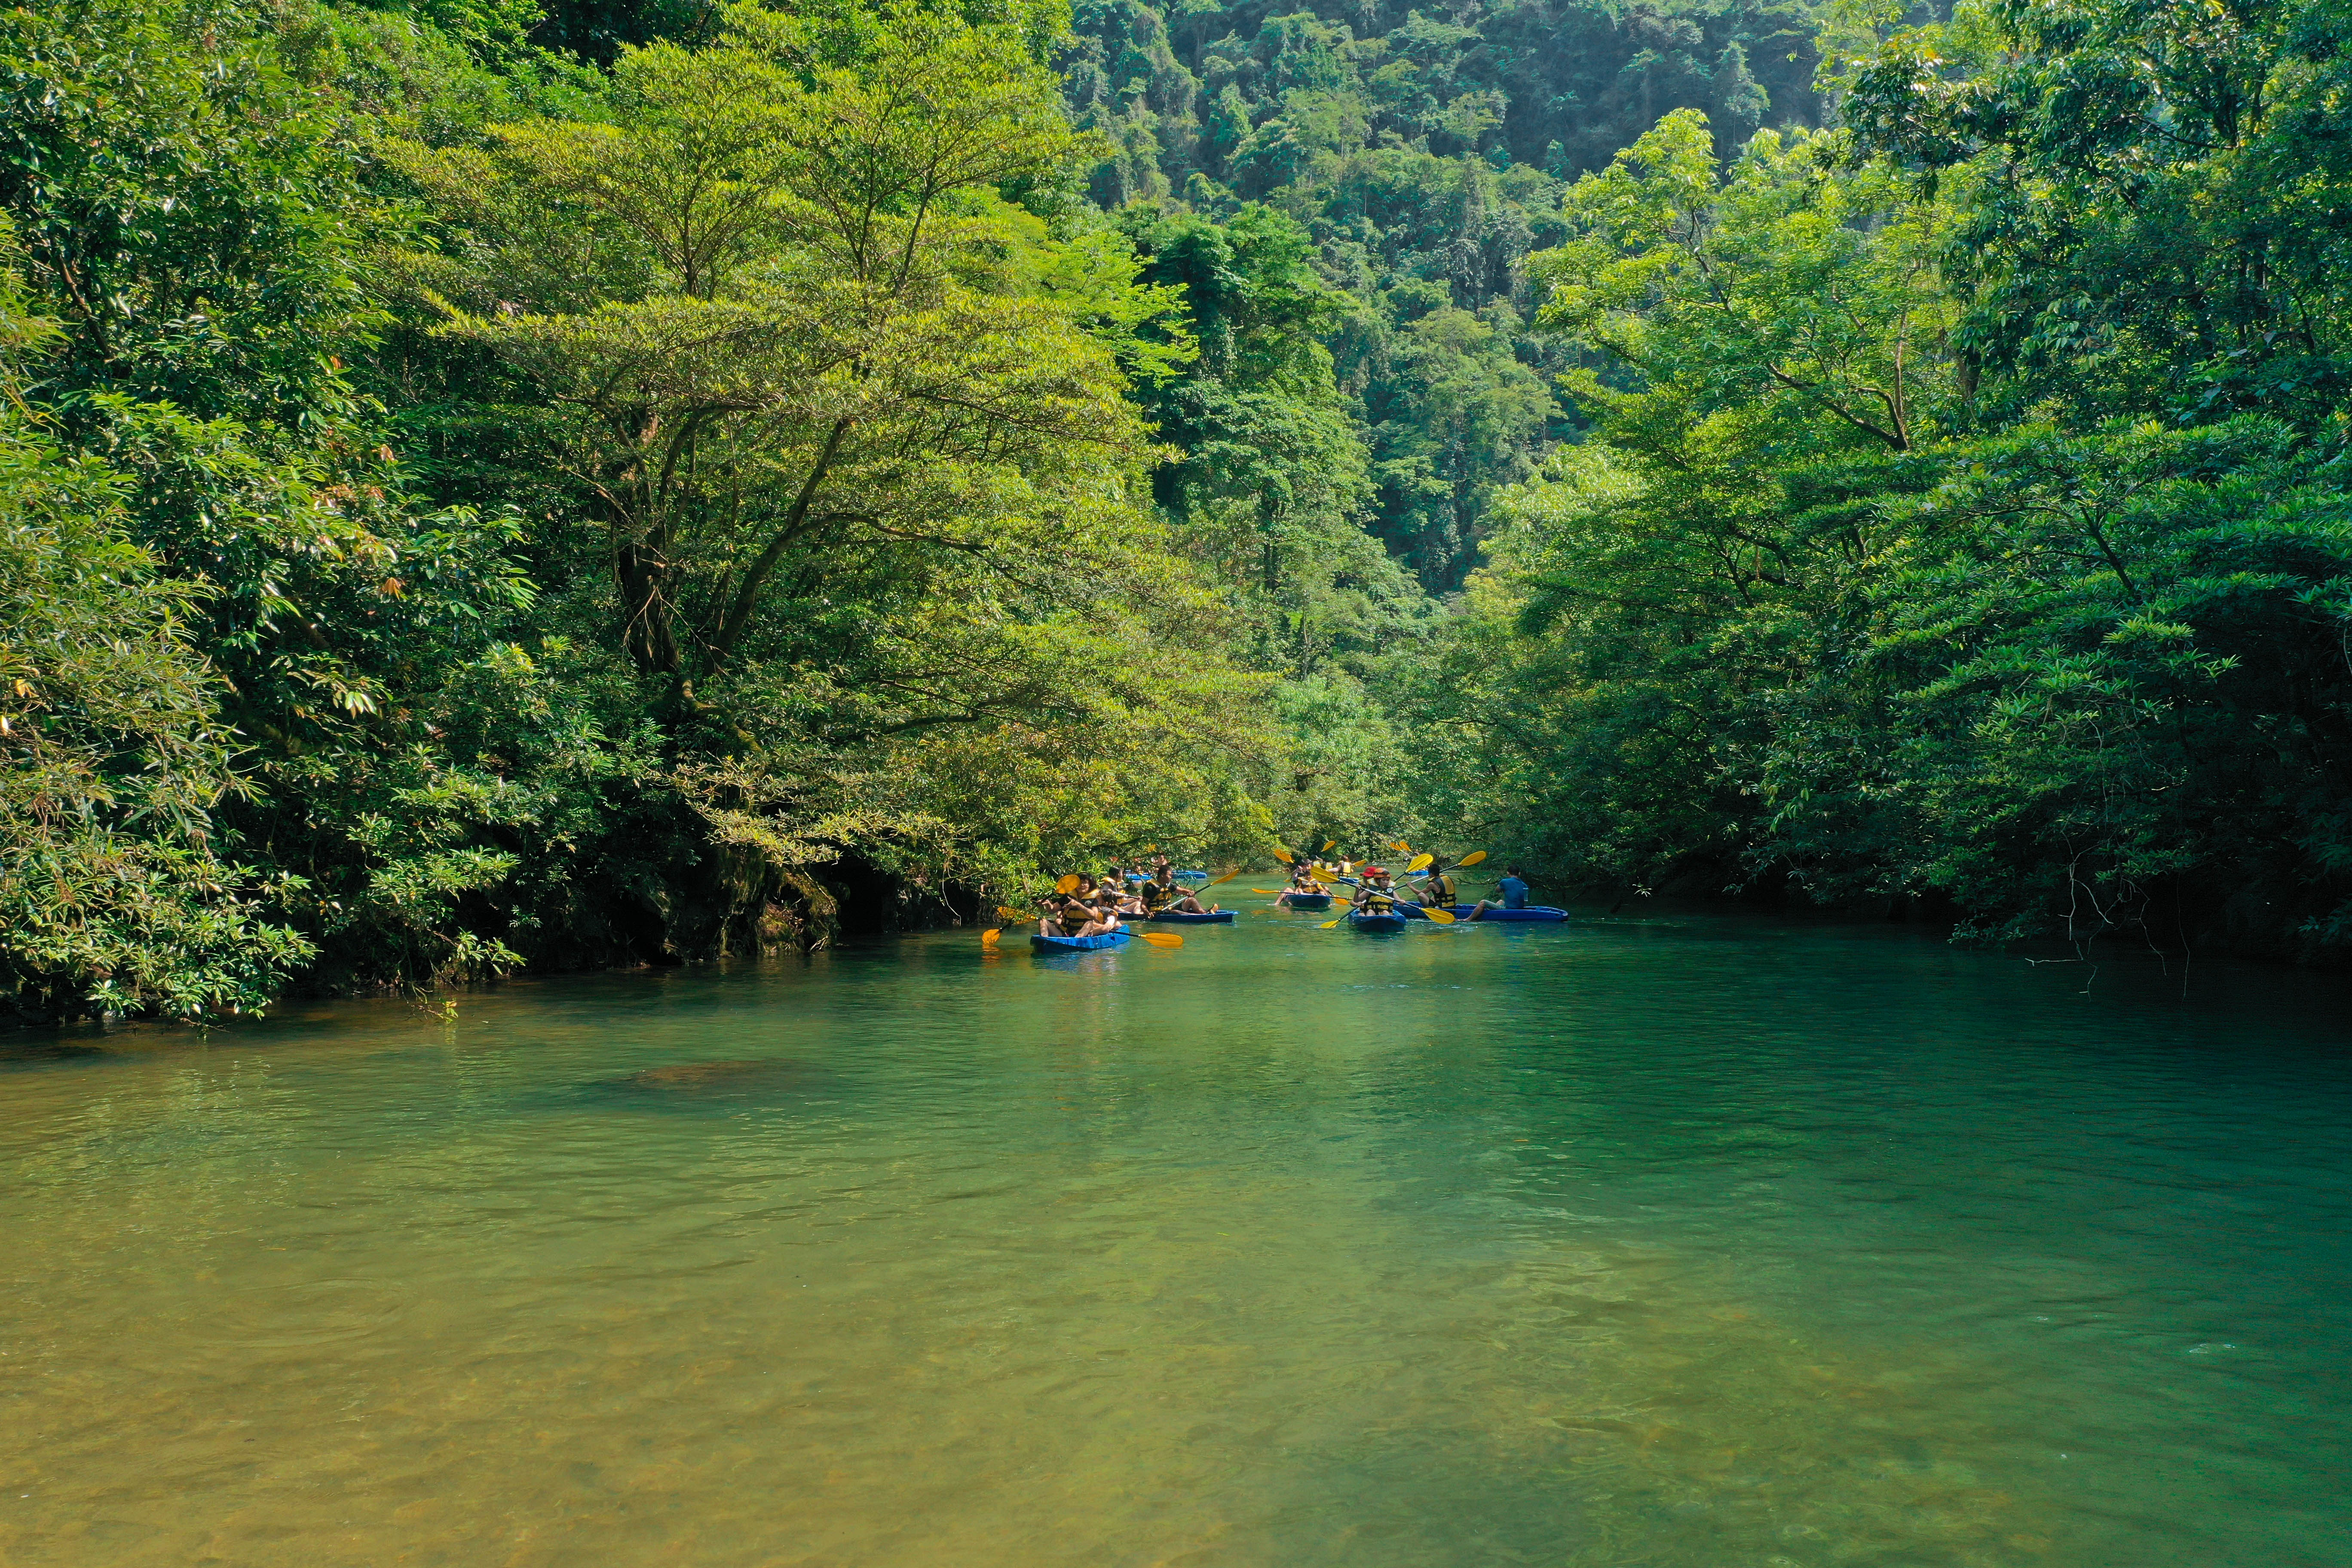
x: 1160, y: 890
x: 1376, y: 895
x: 1188, y: 903
x: 1078, y: 917
x: 1065, y: 916
x: 1511, y: 893
x: 1437, y: 892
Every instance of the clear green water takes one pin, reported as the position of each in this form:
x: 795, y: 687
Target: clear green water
x: 1684, y: 1243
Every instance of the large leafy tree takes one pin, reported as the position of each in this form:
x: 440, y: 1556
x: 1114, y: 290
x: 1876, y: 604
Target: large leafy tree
x: 116, y: 893
x: 1768, y: 342
x: 851, y: 425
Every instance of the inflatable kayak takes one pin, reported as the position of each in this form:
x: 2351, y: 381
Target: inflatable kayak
x: 1095, y: 944
x: 1375, y: 925
x: 1533, y: 913
x: 1184, y: 918
x: 1306, y: 900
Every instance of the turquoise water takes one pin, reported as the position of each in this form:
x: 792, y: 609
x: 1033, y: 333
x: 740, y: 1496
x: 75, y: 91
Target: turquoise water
x: 1675, y: 1242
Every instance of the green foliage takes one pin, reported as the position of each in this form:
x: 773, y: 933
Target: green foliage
x: 1965, y: 514
x: 114, y: 894
x: 1422, y: 155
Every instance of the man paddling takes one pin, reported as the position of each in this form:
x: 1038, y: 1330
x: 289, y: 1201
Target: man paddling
x: 1438, y: 891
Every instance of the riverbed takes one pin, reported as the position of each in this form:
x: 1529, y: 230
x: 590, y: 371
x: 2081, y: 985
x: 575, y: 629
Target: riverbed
x: 1679, y: 1241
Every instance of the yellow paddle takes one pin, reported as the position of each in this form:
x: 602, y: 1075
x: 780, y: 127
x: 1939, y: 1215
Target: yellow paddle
x: 1068, y: 884
x: 990, y: 938
x: 1222, y: 880
x: 1417, y: 863
x: 1158, y: 937
x: 1284, y: 855
x: 1328, y: 845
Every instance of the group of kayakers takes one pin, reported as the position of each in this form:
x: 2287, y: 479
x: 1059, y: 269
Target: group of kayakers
x: 1376, y: 891
x: 1086, y: 905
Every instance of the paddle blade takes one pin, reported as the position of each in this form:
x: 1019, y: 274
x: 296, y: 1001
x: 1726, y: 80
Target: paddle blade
x: 990, y: 938
x: 1418, y: 862
x: 1266, y: 890
x: 1472, y: 859
x: 1068, y: 884
x: 1159, y: 938
x: 1326, y: 925
x: 1221, y: 882
x: 1328, y: 845
x: 1284, y: 855
x: 1442, y: 917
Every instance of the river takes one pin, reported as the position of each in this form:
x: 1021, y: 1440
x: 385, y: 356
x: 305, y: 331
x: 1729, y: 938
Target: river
x: 1684, y: 1242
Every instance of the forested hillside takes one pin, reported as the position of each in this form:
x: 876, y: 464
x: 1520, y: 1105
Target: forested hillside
x: 486, y: 484
x: 1423, y: 151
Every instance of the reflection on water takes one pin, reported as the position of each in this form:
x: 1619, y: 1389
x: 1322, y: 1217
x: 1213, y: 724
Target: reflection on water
x: 1680, y: 1244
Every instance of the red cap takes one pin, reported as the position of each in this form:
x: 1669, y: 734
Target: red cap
x: 1375, y: 872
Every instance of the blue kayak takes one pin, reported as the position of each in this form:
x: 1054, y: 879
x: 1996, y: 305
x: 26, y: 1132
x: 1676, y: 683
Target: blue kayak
x: 1533, y: 913
x: 1184, y: 918
x: 1138, y: 878
x: 1080, y: 943
x: 1375, y: 925
x: 1306, y: 900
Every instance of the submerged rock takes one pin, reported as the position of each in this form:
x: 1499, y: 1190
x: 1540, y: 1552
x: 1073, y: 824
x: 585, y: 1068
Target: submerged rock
x: 46, y: 1053
x: 689, y: 1082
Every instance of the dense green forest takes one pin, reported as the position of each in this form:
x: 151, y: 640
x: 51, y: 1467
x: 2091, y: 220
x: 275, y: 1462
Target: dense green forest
x: 489, y: 484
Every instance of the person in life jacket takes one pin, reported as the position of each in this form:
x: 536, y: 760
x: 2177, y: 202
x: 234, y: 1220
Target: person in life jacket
x: 1438, y: 891
x: 1376, y: 895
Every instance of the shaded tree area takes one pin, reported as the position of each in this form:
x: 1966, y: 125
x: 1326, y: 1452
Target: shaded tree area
x: 468, y: 508
x: 1965, y: 516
